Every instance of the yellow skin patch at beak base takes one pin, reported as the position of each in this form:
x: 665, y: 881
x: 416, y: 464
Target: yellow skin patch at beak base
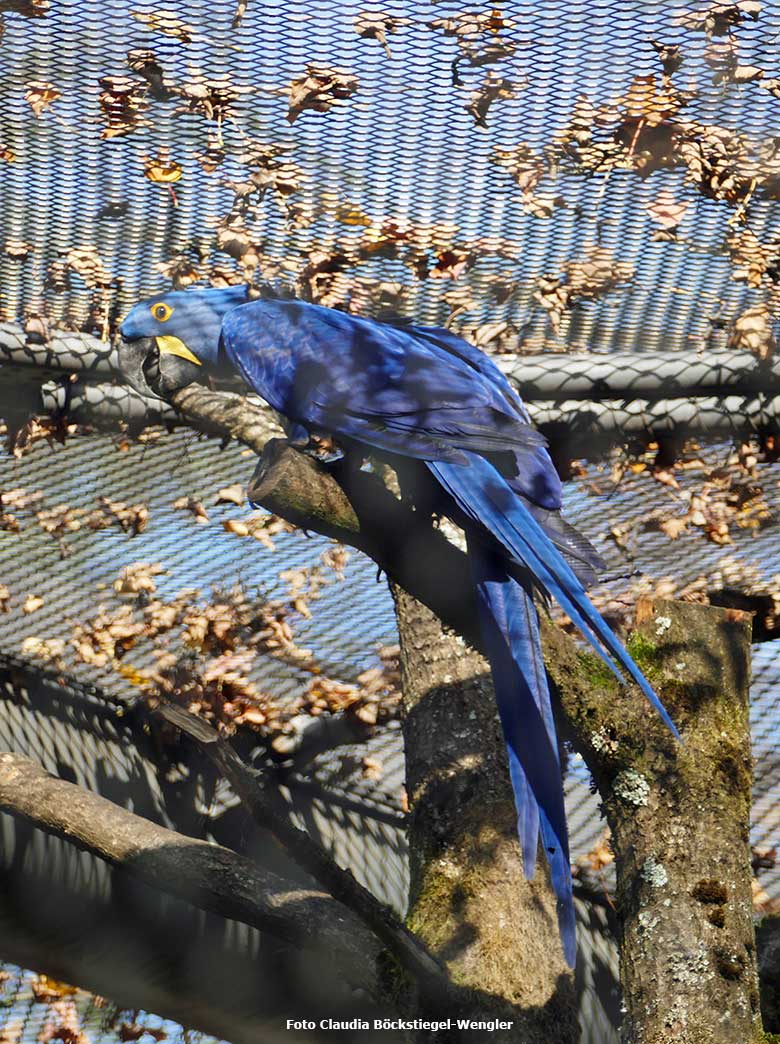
x: 173, y: 346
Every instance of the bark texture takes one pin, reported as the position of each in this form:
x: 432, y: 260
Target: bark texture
x: 263, y: 805
x: 470, y: 901
x: 679, y: 815
x: 206, y: 875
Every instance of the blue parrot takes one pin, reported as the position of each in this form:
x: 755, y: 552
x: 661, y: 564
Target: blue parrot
x: 424, y: 393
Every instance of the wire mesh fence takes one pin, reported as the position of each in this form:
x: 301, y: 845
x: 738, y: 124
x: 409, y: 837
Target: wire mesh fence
x: 538, y: 177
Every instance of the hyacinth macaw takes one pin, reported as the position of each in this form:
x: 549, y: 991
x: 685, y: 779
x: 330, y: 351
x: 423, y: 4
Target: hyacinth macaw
x: 420, y: 392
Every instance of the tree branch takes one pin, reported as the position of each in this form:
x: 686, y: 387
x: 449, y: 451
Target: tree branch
x: 679, y: 815
x: 267, y: 812
x: 208, y: 876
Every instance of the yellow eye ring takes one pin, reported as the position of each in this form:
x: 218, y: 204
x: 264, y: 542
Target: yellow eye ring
x: 161, y: 311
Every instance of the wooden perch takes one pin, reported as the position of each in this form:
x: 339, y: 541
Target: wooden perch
x: 208, y: 876
x: 263, y: 806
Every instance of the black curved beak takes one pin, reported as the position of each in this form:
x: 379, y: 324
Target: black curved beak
x: 155, y: 371
x: 139, y: 361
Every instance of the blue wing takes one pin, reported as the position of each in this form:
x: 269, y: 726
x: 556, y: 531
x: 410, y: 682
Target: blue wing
x: 419, y: 391
x: 424, y: 393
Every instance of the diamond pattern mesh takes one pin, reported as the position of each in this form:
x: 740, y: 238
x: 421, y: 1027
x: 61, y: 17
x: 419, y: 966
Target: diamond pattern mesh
x: 406, y: 158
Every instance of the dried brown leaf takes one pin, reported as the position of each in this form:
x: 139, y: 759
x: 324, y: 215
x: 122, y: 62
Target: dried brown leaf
x: 378, y: 25
x: 753, y: 330
x: 17, y: 249
x: 161, y: 169
x: 40, y: 95
x: 666, y: 210
x: 138, y: 577
x: 671, y: 56
x: 86, y: 262
x: 235, y: 494
x: 319, y: 90
x: 493, y: 88
x: 195, y: 508
x: 166, y: 23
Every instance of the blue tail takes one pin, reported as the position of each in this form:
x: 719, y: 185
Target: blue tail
x: 510, y: 630
x: 486, y: 499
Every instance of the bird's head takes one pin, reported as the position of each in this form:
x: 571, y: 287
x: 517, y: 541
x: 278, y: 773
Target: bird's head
x: 172, y: 339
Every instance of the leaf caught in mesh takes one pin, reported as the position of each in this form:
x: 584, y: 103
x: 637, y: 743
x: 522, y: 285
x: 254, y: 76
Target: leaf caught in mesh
x: 235, y: 494
x: 131, y: 518
x: 493, y: 88
x: 450, y: 264
x: 718, y: 19
x: 528, y: 168
x: 181, y: 270
x: 213, y: 155
x: 671, y: 56
x: 123, y: 103
x: 48, y: 650
x: 38, y: 429
x: 723, y: 58
x: 752, y: 260
x: 372, y: 768
x: 106, y: 637
x: 166, y: 23
x: 650, y: 101
x: 667, y: 211
x: 17, y: 249
x: 86, y: 262
x: 161, y: 169
x: 212, y: 97
x: 319, y: 90
x: 378, y: 25
x: 260, y: 526
x: 336, y: 558
x: 56, y: 521
x: 41, y: 95
x: 26, y: 8
x: 753, y: 331
x: 144, y: 62
x: 582, y: 280
x: 194, y: 507
x: 138, y: 578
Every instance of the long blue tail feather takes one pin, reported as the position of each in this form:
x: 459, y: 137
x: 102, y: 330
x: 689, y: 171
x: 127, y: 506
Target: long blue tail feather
x: 510, y: 630
x: 485, y: 498
x: 511, y: 633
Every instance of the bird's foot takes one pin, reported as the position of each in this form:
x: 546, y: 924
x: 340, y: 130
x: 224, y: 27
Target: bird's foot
x: 324, y: 449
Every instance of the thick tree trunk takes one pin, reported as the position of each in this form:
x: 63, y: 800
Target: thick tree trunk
x: 470, y: 902
x: 679, y: 815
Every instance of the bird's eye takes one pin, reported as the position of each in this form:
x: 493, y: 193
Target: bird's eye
x: 161, y: 311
